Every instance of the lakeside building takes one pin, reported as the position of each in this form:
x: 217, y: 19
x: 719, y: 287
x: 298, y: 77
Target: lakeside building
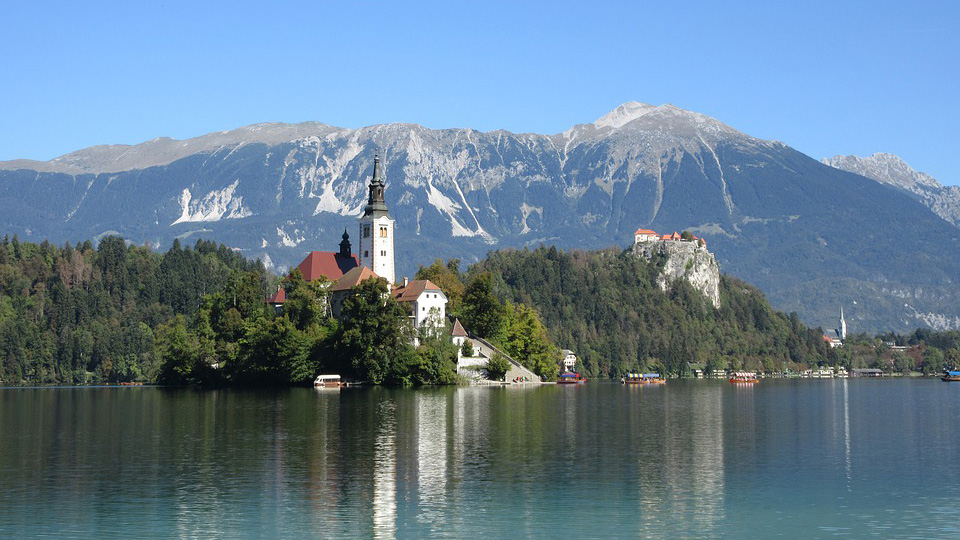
x: 568, y: 361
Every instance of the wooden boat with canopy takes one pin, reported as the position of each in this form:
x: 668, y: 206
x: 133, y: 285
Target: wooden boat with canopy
x: 643, y: 378
x: 744, y: 377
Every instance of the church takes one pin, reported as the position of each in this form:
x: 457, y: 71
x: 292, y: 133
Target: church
x: 425, y: 301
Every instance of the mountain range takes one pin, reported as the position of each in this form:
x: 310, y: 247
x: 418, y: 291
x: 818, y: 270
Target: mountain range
x: 868, y: 234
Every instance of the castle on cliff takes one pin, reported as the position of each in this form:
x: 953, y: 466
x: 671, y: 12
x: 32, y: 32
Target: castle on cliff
x: 646, y: 235
x: 685, y: 257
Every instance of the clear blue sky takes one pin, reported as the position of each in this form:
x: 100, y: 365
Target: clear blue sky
x: 824, y: 77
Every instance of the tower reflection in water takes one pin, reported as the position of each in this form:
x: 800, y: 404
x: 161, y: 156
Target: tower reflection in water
x: 385, y: 473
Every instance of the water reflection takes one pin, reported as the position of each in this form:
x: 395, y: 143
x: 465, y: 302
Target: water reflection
x: 323, y: 461
x: 846, y: 434
x: 707, y: 457
x: 431, y: 474
x: 692, y: 459
x: 385, y: 473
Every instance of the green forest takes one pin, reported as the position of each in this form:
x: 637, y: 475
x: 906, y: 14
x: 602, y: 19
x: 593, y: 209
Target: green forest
x: 196, y: 315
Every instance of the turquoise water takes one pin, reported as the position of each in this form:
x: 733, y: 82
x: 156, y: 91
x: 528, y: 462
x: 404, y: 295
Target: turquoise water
x: 691, y: 459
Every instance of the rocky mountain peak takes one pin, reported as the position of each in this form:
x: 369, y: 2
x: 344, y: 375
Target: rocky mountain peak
x: 891, y: 170
x: 663, y: 119
x: 885, y: 168
x: 625, y: 113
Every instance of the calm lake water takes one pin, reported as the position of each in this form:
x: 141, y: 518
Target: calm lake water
x: 693, y: 459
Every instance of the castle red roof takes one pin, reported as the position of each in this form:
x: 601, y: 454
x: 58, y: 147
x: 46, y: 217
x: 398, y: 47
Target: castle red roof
x: 327, y: 264
x: 646, y: 231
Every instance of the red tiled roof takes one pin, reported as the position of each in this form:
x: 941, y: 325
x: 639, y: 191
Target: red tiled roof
x: 458, y: 330
x: 278, y: 297
x: 413, y: 290
x: 353, y: 278
x: 645, y: 231
x: 326, y: 264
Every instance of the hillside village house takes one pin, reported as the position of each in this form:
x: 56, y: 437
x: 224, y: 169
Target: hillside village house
x: 425, y: 301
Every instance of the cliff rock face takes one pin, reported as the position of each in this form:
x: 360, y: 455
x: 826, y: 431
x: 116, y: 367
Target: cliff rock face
x: 687, y: 260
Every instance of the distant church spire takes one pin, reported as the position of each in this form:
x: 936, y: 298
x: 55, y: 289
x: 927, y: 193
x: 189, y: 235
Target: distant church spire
x: 843, y: 326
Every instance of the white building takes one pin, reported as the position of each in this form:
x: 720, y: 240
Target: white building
x: 568, y: 361
x: 376, y: 230
x: 645, y: 235
x: 426, y: 302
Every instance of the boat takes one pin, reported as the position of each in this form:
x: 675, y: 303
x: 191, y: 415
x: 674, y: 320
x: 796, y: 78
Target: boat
x: 328, y: 381
x: 643, y: 378
x: 744, y: 377
x: 571, y: 378
x: 951, y: 376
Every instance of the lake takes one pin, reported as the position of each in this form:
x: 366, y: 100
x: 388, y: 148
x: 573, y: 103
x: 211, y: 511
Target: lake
x: 691, y: 459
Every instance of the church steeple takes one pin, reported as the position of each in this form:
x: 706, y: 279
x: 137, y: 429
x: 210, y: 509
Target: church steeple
x: 345, y: 245
x: 376, y: 205
x: 376, y: 229
x: 843, y: 325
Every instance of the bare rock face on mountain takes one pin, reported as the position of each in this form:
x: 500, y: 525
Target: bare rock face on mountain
x: 809, y: 235
x: 891, y: 170
x: 686, y: 260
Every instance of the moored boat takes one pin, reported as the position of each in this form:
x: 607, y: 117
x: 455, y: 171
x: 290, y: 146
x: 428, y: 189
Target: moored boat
x: 571, y: 378
x: 328, y: 381
x: 643, y: 378
x: 951, y: 376
x: 744, y: 377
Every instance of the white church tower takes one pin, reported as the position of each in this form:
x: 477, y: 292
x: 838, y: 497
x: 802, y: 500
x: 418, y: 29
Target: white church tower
x: 843, y: 326
x: 376, y: 230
